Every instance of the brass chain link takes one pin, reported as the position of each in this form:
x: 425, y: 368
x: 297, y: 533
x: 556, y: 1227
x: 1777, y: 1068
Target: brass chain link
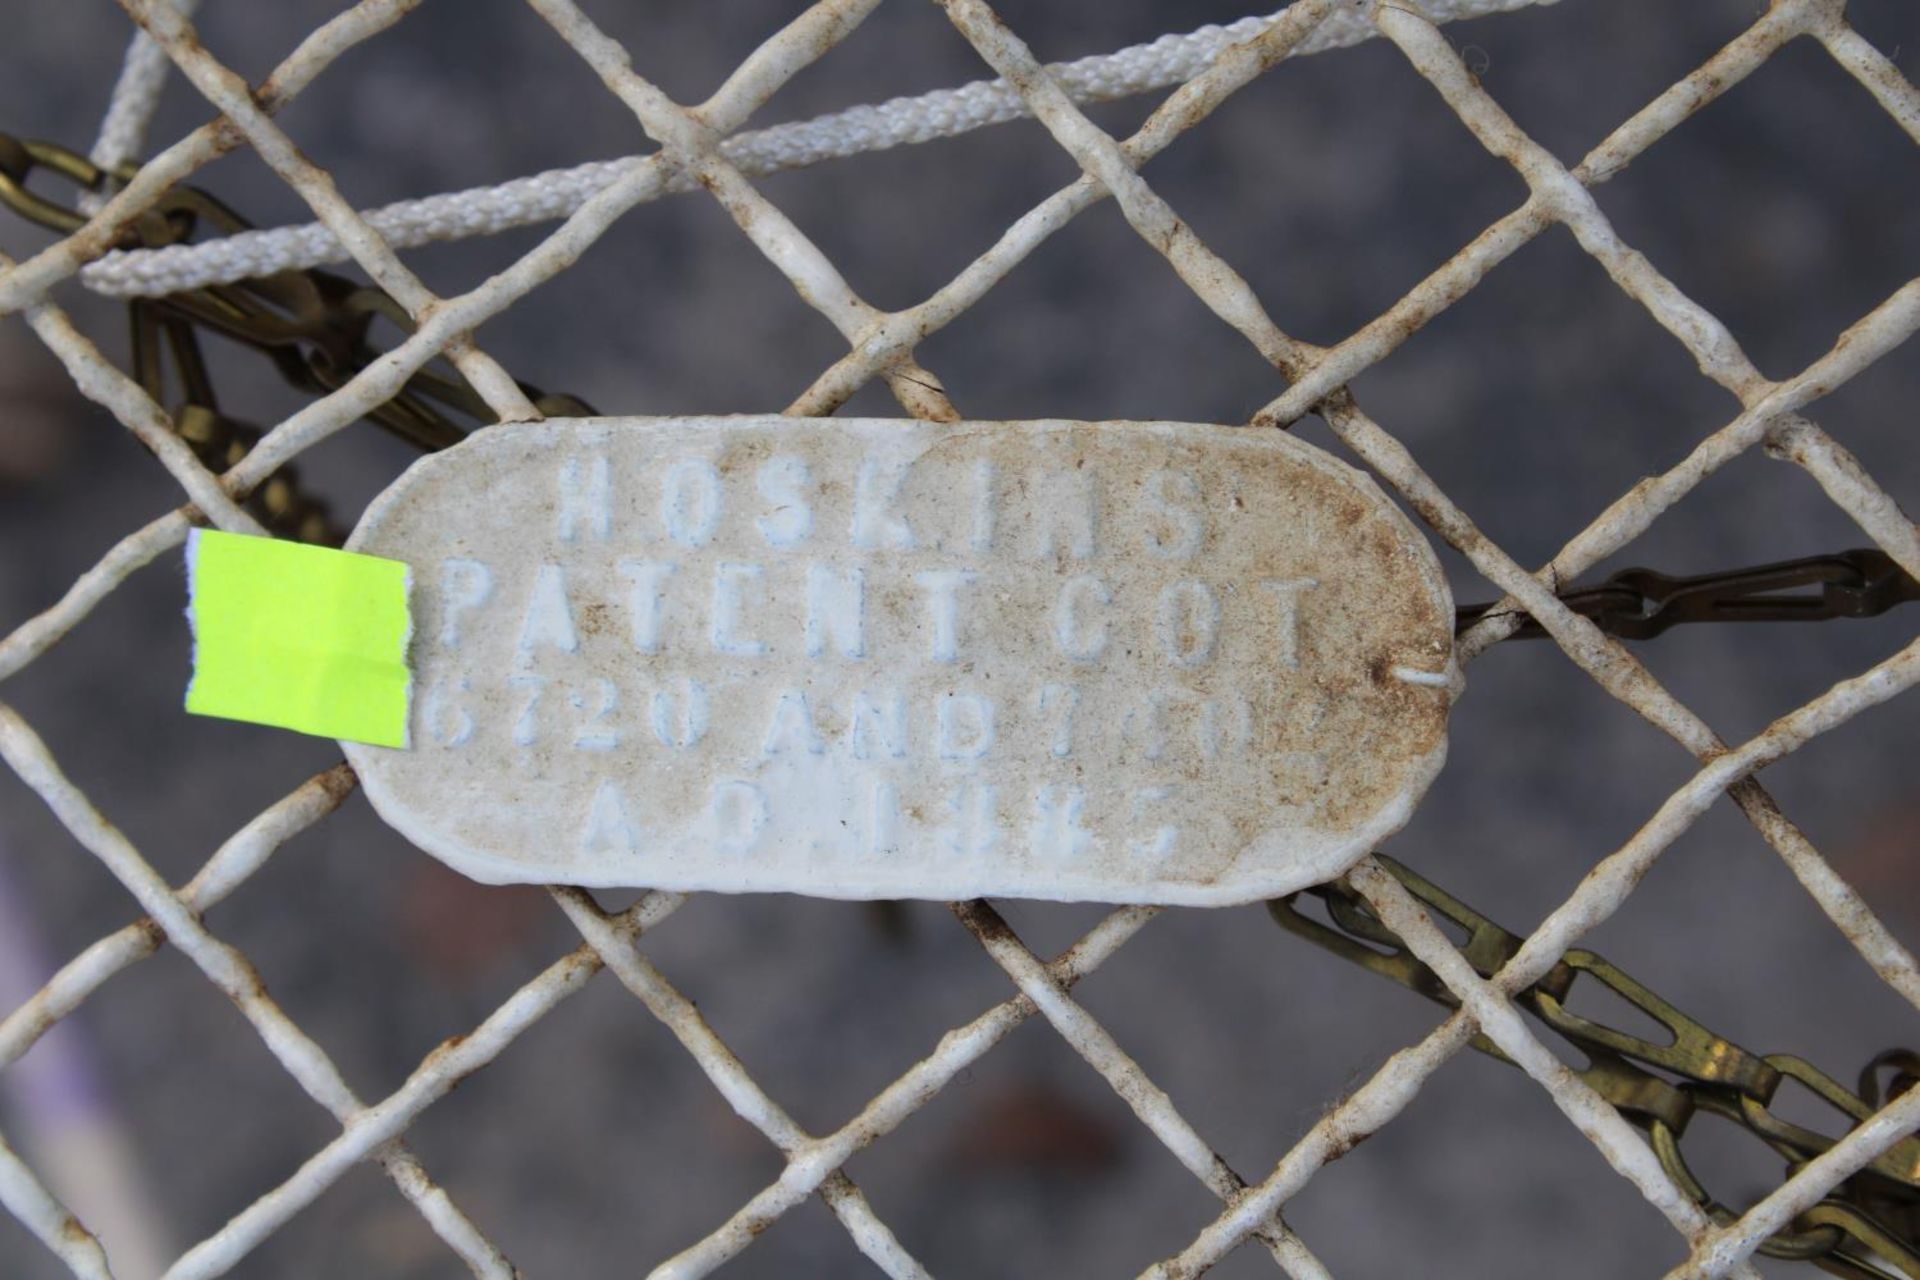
x: 315, y: 328
x: 1639, y: 604
x: 1869, y: 1222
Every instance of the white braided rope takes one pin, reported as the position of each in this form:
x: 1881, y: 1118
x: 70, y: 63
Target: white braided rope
x: 136, y: 95
x: 557, y: 193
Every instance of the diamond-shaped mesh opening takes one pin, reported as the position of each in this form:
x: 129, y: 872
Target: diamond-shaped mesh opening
x: 1584, y: 392
x: 413, y: 128
x: 1795, y: 243
x: 653, y: 361
x: 153, y: 851
x: 1349, y: 144
x: 900, y: 250
x: 1091, y: 326
x: 178, y: 1076
x: 1018, y: 1164
x: 1606, y: 63
x: 1479, y: 1150
x: 635, y: 1089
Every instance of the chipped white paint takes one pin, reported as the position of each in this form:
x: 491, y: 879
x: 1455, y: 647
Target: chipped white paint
x: 1130, y: 662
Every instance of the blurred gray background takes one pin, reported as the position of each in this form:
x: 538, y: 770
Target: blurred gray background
x: 594, y: 1146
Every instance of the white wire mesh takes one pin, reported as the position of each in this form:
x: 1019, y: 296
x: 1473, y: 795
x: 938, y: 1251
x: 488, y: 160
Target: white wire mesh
x: 693, y: 150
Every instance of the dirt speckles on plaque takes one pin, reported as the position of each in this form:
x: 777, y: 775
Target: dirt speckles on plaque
x: 1124, y: 662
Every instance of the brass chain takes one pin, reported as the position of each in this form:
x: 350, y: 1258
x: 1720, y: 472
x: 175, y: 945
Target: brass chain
x: 1639, y: 604
x: 315, y: 328
x: 1868, y: 1223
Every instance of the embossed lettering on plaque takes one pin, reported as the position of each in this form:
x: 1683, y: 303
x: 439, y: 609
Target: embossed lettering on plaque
x: 1122, y: 662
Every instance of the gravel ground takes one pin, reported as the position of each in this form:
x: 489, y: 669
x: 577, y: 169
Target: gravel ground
x: 594, y: 1146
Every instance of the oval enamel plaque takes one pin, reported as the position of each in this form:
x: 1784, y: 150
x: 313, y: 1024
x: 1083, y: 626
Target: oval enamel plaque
x: 1121, y: 662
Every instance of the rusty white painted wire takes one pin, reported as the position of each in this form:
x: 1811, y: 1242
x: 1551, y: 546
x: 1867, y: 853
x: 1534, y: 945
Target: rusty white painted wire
x: 556, y: 193
x: 229, y: 91
x: 683, y: 138
x: 120, y: 395
x: 227, y: 969
x: 30, y: 281
x: 888, y: 340
x: 1726, y: 1248
x: 730, y: 1077
x: 135, y: 551
x: 888, y: 1109
x: 704, y: 142
x: 1496, y: 1017
x: 1148, y: 1100
x: 236, y: 859
x: 22, y: 1195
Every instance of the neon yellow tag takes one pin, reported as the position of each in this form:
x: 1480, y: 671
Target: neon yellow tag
x: 298, y: 636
